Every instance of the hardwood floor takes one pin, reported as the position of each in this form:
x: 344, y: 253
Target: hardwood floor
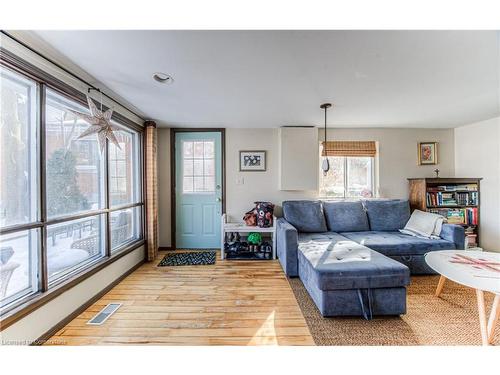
x: 229, y: 303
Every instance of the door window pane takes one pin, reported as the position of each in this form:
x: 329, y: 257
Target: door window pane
x: 123, y: 169
x: 18, y: 149
x: 73, y: 244
x: 209, y: 167
x: 74, y: 166
x: 125, y: 227
x: 18, y: 265
x: 198, y: 149
x: 198, y: 166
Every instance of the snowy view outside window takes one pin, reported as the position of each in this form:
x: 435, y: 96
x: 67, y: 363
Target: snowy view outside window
x: 75, y: 180
x: 349, y: 177
x: 74, y: 166
x: 19, y: 187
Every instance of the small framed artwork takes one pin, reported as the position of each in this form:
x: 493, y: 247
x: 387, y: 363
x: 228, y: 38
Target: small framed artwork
x: 427, y: 153
x: 252, y: 161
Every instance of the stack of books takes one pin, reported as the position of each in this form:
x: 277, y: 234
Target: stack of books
x: 468, y: 187
x: 456, y: 217
x: 470, y: 238
x: 459, y: 198
x: 468, y: 216
x: 473, y: 198
x: 472, y: 217
x: 441, y: 199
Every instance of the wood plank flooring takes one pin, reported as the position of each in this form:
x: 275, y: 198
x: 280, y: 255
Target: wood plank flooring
x: 229, y: 303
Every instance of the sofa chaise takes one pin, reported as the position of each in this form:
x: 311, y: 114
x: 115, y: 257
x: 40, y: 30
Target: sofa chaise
x: 351, y: 257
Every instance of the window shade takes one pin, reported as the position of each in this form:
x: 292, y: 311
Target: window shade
x: 349, y: 148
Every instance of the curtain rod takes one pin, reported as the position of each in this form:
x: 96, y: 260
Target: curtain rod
x: 68, y: 72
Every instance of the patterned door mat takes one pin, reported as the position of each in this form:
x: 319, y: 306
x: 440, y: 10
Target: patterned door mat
x: 197, y: 258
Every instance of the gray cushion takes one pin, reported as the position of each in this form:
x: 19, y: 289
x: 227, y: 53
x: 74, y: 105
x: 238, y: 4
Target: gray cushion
x: 346, y: 216
x: 344, y: 264
x: 397, y: 243
x: 306, y: 216
x: 387, y: 214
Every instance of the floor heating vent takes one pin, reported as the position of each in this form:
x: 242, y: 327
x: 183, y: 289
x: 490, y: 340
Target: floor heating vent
x: 104, y: 314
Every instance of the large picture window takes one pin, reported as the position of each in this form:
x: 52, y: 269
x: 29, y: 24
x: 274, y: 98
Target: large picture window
x: 64, y: 205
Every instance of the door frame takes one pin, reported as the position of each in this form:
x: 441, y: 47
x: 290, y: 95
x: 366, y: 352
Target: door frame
x: 173, y: 132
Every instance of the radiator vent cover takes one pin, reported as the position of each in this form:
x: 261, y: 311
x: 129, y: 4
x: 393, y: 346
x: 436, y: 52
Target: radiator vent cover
x: 104, y: 314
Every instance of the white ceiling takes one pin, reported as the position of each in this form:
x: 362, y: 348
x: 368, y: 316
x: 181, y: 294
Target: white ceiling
x: 273, y: 78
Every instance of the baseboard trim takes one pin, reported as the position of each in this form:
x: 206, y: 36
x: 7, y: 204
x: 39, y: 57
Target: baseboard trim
x: 165, y: 248
x: 51, y: 332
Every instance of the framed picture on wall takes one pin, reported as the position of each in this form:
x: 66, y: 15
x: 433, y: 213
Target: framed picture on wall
x: 427, y: 153
x: 252, y: 161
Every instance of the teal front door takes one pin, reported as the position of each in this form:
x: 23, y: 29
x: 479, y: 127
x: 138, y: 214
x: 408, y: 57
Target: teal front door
x: 198, y: 189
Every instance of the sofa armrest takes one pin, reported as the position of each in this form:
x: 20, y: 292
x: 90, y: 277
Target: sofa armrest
x: 287, y: 247
x: 454, y: 233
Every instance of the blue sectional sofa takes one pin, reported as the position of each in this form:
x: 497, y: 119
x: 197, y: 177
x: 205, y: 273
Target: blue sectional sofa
x: 351, y: 256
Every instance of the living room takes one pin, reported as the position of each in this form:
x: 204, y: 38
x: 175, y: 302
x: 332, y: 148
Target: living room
x: 289, y: 187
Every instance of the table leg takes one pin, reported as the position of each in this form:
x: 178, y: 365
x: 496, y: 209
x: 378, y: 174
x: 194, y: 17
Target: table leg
x: 482, y: 316
x: 440, y: 286
x: 494, y: 315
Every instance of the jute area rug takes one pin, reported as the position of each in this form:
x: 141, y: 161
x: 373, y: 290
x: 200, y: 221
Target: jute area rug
x: 451, y: 319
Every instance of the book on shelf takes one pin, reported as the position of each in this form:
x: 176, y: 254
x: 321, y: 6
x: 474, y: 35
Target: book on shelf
x: 439, y: 198
x: 459, y: 187
x: 468, y: 216
x: 470, y: 240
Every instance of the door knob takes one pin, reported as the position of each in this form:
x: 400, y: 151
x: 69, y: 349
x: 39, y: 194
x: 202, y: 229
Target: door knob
x: 218, y: 199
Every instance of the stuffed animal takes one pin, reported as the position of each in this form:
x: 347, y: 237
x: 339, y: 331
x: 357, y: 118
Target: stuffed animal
x: 254, y: 238
x: 264, y: 214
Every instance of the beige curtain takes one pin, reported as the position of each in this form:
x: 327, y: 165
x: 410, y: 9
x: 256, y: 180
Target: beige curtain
x: 151, y: 182
x: 349, y: 148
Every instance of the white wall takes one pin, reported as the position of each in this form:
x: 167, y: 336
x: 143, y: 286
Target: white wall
x: 257, y: 186
x: 477, y: 154
x: 294, y: 149
x: 397, y: 161
x: 43, y: 319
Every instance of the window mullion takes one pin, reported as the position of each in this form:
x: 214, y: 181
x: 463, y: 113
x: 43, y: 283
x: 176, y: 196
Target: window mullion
x: 345, y: 177
x: 107, y: 248
x: 44, y: 277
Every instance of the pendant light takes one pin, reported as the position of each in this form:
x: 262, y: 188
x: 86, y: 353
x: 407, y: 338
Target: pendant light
x: 325, y: 164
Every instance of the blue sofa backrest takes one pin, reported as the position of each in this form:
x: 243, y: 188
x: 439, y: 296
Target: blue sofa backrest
x: 310, y: 216
x: 307, y: 215
x: 346, y: 216
x: 387, y: 214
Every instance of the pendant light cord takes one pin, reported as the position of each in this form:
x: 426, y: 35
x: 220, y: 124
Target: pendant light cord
x: 325, y: 132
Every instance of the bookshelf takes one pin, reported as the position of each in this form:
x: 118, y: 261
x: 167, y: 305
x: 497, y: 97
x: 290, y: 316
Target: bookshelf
x: 457, y: 199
